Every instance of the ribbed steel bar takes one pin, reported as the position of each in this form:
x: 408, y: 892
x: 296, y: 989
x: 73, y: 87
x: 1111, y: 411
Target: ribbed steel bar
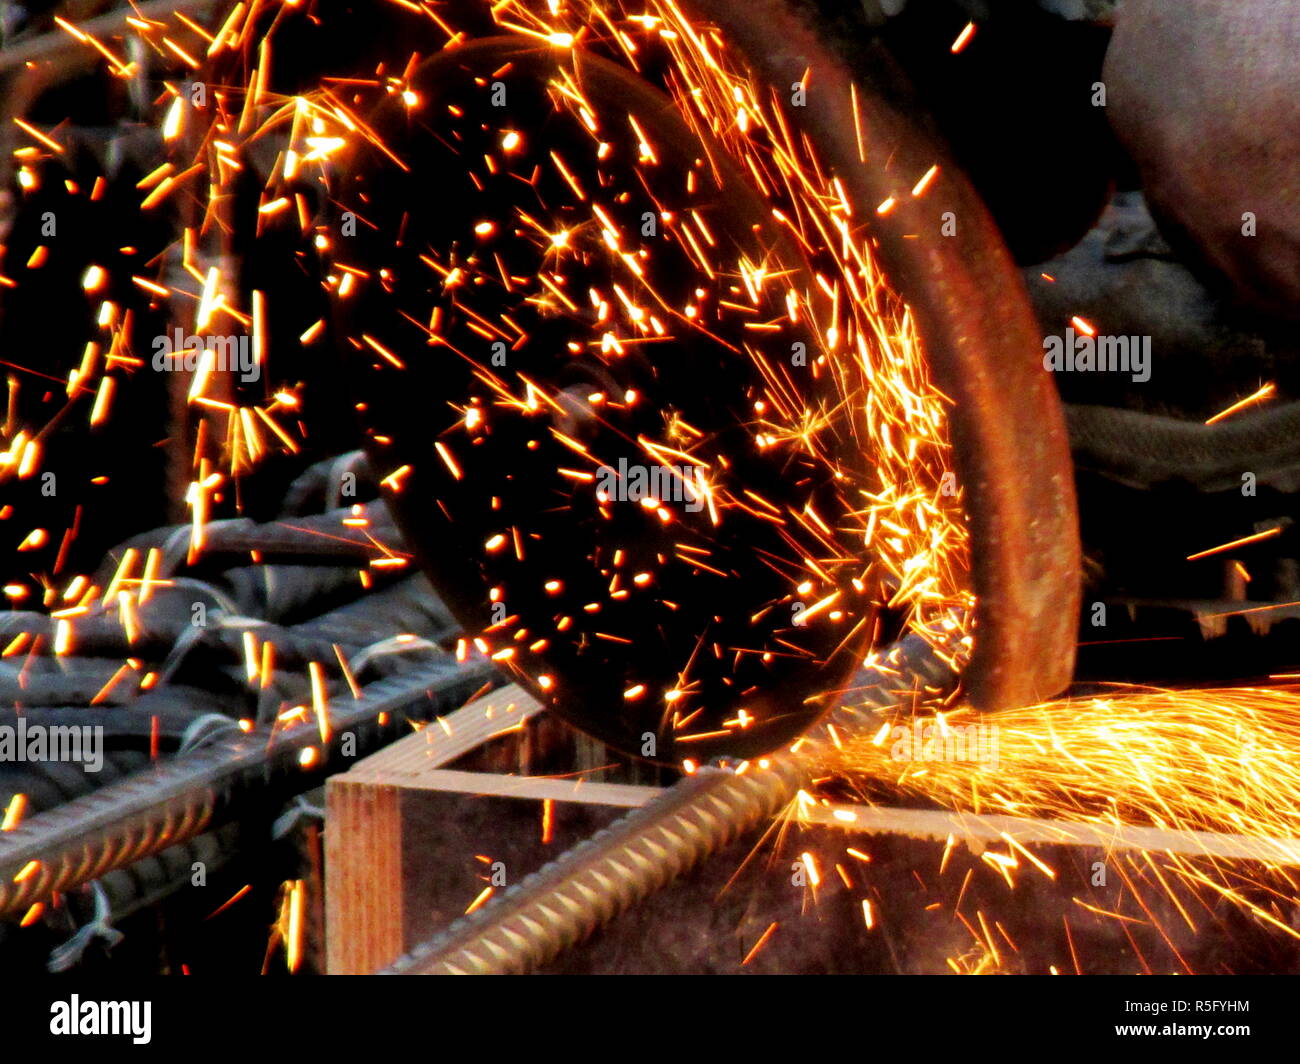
x: 80, y: 840
x: 596, y: 880
x: 567, y: 900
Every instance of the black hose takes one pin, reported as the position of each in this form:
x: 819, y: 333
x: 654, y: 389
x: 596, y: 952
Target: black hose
x: 1141, y: 450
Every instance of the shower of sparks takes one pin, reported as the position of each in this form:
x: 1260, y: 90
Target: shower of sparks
x: 1202, y: 767
x: 908, y: 548
x: 911, y: 547
x: 1217, y: 761
x: 1204, y: 760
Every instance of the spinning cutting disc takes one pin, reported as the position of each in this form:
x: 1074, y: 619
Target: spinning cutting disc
x: 590, y: 374
x: 646, y: 409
